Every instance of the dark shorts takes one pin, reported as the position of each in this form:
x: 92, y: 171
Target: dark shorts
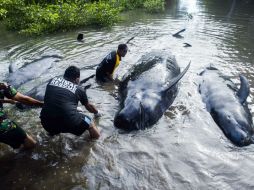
x: 55, y: 126
x: 101, y: 77
x: 13, y: 136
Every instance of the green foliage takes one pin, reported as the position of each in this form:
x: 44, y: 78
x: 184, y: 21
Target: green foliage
x: 100, y: 13
x: 38, y: 19
x: 131, y: 4
x: 127, y: 4
x: 154, y: 6
x: 149, y: 5
x: 3, y: 13
x: 42, y: 16
x: 8, y: 7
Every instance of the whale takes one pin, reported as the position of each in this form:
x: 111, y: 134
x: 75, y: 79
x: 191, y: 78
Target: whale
x: 31, y: 70
x: 148, y: 90
x: 227, y: 105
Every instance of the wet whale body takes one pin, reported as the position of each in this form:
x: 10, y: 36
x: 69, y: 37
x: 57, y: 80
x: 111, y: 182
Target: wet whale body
x: 148, y: 91
x: 227, y: 105
x: 38, y: 92
x: 31, y: 70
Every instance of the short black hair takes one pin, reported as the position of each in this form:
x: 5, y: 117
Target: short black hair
x: 80, y: 37
x: 122, y: 46
x: 72, y: 73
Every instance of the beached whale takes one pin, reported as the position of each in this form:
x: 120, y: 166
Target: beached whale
x: 31, y: 70
x: 227, y: 105
x: 148, y: 91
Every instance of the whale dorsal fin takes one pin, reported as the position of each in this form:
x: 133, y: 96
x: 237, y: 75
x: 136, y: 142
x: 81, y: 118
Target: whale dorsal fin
x: 176, y: 79
x: 244, y: 90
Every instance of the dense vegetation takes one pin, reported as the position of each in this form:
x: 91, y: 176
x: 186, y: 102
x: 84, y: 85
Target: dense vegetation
x: 43, y: 16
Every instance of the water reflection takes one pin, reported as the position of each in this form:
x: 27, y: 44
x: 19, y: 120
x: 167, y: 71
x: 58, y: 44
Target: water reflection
x: 188, y: 6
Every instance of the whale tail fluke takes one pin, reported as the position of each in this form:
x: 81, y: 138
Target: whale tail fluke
x: 177, y: 35
x: 244, y: 90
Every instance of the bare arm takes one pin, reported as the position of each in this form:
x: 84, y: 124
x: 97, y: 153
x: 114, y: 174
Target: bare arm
x: 27, y: 100
x: 93, y: 131
x: 91, y: 108
x: 7, y: 101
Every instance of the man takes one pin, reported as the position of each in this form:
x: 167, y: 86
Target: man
x: 59, y: 113
x: 10, y: 133
x: 106, y: 68
x: 80, y: 37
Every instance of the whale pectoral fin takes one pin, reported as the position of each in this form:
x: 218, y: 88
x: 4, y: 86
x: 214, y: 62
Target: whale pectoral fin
x: 244, y: 90
x: 176, y: 79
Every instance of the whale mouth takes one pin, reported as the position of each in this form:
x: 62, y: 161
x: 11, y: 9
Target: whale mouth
x: 247, y: 141
x: 122, y: 122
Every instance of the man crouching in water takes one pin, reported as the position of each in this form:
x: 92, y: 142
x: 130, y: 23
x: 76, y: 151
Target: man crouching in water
x: 105, y: 70
x: 10, y: 132
x: 59, y: 113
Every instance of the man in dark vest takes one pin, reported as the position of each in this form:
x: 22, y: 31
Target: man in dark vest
x: 106, y: 68
x: 59, y: 113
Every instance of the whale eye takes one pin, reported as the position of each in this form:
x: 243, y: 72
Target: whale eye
x: 228, y: 118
